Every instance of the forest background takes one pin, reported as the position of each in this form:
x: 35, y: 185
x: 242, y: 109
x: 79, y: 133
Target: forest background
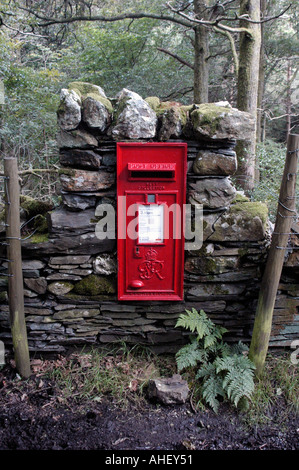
x: 186, y: 51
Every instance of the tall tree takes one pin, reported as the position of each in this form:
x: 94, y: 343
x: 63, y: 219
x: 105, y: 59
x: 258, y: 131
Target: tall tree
x: 248, y: 80
x: 201, y: 54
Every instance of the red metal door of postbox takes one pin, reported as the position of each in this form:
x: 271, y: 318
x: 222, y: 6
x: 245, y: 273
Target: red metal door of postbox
x: 151, y: 189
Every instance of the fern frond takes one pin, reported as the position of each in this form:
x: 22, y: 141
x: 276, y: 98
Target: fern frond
x: 239, y: 348
x: 209, y: 341
x: 211, y: 389
x: 206, y: 370
x: 195, y: 321
x: 238, y: 381
x: 189, y: 356
x: 189, y: 320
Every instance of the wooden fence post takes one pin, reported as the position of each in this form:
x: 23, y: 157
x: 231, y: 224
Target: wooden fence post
x: 15, y: 274
x: 271, y: 277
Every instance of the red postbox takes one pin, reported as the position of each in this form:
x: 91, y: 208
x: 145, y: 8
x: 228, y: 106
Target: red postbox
x: 151, y: 193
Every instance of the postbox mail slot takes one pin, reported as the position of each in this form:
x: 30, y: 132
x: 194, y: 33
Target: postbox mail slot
x: 159, y: 171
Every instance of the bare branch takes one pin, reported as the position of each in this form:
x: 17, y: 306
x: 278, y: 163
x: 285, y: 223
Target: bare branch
x: 216, y: 22
x: 24, y: 33
x: 130, y: 15
x: 175, y: 56
x: 266, y: 19
x: 233, y: 47
x: 35, y: 171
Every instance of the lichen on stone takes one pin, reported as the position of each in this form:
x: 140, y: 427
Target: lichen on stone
x: 94, y: 285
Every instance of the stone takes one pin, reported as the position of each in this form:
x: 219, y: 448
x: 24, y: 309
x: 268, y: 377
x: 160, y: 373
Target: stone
x: 105, y: 264
x: 69, y: 111
x: 85, y: 181
x: 37, y: 311
x: 134, y: 118
x: 211, y: 163
x: 75, y: 314
x: 213, y: 122
x: 62, y: 260
x: 84, y: 89
x: 244, y: 221
x: 204, y: 265
x: 95, y: 285
x: 96, y: 113
x: 28, y: 265
x: 171, y: 124
x: 61, y: 221
x: 60, y: 287
x: 28, y: 293
x: 78, y: 138
x: 216, y: 291
x: 169, y: 391
x: 208, y: 224
x: 63, y: 277
x: 79, y: 158
x: 212, y: 192
x: 85, y: 243
x: 76, y: 202
x: 38, y: 285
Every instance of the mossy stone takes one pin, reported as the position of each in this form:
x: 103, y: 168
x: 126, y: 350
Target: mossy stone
x: 154, y: 102
x: 41, y: 224
x: 208, y: 114
x: 94, y: 285
x: 39, y: 238
x: 251, y: 210
x: 34, y: 207
x: 240, y: 198
x: 88, y: 90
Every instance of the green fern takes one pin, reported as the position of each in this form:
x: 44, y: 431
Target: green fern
x: 238, y: 381
x: 223, y: 370
x: 190, y: 355
x: 203, y: 326
x: 211, y: 386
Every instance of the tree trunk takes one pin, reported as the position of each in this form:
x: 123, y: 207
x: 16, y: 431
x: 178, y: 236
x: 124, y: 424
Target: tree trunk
x: 288, y: 99
x: 271, y: 277
x: 15, y: 279
x: 261, y: 84
x: 201, y: 56
x: 248, y: 78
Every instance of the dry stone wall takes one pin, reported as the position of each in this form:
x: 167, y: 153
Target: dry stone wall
x: 70, y: 276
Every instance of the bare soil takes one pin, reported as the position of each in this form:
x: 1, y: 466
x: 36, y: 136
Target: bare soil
x: 34, y: 417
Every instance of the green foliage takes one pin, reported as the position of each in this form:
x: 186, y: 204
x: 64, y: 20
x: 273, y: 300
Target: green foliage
x: 271, y: 159
x: 223, y: 371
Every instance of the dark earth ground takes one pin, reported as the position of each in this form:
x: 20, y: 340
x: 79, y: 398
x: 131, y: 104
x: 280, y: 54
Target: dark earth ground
x: 33, y: 417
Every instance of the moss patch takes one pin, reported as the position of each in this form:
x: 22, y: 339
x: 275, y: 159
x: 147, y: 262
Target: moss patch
x: 41, y: 224
x: 83, y: 88
x: 39, y: 238
x: 88, y: 90
x: 208, y: 115
x: 34, y: 207
x: 153, y: 102
x: 240, y: 198
x: 251, y: 210
x: 94, y: 285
